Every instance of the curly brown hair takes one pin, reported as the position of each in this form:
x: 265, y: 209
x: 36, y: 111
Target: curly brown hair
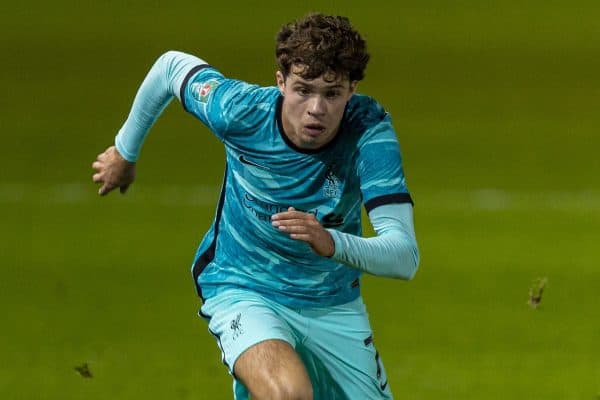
x: 322, y: 45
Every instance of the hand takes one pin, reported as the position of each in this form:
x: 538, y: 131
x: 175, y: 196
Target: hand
x: 113, y: 171
x: 305, y: 227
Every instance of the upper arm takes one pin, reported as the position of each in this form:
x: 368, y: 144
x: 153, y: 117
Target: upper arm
x: 382, y: 179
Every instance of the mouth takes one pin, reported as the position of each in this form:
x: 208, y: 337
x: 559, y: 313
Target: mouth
x: 314, y: 129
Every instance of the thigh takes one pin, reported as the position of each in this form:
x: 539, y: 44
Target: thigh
x: 239, y: 319
x: 273, y: 370
x: 341, y: 338
x: 257, y: 345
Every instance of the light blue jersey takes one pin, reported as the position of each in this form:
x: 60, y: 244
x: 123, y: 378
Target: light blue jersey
x: 266, y: 173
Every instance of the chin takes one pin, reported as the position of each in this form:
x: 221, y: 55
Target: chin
x: 308, y: 145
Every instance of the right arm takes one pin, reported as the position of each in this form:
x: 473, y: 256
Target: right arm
x: 115, y: 167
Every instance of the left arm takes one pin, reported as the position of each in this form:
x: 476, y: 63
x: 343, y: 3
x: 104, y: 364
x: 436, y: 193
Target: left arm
x: 392, y: 253
x: 115, y: 167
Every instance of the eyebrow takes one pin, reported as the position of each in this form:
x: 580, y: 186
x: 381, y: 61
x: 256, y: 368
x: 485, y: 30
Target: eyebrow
x: 334, y: 86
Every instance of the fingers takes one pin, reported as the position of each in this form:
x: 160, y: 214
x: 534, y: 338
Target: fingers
x: 302, y: 237
x: 292, y: 213
x: 293, y: 220
x: 306, y: 228
x: 105, y: 189
x: 97, y: 166
x: 293, y: 225
x: 99, y: 177
x: 298, y: 225
x: 112, y: 171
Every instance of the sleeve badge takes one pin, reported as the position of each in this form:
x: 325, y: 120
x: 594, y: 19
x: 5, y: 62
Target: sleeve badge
x: 201, y: 90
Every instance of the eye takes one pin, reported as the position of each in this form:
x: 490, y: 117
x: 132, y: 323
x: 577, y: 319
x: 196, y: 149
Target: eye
x: 302, y: 91
x: 332, y: 94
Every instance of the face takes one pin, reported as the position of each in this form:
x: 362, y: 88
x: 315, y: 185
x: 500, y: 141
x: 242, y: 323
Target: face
x: 312, y: 109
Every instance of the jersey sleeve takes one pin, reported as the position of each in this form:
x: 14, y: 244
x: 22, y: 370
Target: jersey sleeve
x: 382, y: 179
x: 226, y: 106
x: 393, y: 253
x: 154, y: 94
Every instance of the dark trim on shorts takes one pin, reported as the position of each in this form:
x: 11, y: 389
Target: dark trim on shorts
x: 185, y: 82
x: 203, y: 315
x: 209, y: 254
x: 388, y: 199
x: 218, y: 338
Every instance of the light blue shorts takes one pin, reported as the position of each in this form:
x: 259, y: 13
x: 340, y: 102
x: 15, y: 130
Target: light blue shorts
x: 335, y: 343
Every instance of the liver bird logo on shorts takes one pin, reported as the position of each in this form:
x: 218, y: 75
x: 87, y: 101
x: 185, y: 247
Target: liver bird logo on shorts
x: 236, y: 326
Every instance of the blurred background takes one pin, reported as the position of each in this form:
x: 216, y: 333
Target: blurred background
x: 495, y: 105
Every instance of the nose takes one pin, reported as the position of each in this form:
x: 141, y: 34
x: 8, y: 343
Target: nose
x: 317, y: 106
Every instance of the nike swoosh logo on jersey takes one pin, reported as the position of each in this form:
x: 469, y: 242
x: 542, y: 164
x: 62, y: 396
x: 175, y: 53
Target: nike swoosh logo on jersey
x: 244, y: 160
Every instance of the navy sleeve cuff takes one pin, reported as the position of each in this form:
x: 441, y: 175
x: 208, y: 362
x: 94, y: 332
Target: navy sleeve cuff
x: 388, y: 199
x: 189, y: 76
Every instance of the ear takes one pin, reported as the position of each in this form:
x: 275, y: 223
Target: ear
x: 280, y: 81
x: 353, y: 86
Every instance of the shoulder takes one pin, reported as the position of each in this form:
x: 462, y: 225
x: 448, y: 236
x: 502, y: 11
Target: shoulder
x: 364, y: 111
x: 367, y: 120
x: 237, y: 92
x: 207, y: 81
x: 243, y: 102
x: 226, y: 101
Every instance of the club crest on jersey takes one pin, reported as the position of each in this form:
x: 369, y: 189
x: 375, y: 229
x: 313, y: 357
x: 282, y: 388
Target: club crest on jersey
x: 332, y: 184
x: 201, y: 90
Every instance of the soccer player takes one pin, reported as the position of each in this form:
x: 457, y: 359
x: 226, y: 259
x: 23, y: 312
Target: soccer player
x: 279, y: 270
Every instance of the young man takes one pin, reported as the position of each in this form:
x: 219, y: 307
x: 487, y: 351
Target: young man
x: 279, y: 269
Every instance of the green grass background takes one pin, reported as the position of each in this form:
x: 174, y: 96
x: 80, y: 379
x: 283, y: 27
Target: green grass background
x: 496, y: 107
